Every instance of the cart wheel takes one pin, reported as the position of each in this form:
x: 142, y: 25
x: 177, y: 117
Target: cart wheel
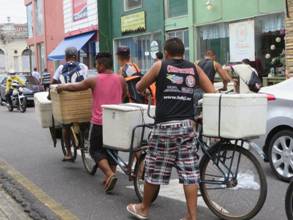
x: 139, y: 172
x: 88, y: 163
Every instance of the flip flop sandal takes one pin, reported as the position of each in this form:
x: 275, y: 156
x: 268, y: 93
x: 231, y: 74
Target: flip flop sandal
x: 132, y: 210
x: 111, y: 182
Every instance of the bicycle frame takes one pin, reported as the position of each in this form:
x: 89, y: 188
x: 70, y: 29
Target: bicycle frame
x: 127, y: 167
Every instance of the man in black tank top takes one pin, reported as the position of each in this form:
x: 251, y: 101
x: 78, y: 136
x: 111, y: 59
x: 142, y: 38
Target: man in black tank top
x: 210, y: 66
x: 171, y: 142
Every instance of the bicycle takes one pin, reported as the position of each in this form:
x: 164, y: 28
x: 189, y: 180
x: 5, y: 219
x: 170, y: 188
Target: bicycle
x: 224, y: 167
x: 289, y: 202
x: 78, y: 135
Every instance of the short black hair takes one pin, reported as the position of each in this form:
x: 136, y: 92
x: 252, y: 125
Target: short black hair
x: 246, y: 61
x: 159, y: 55
x: 106, y: 59
x: 35, y: 69
x: 174, y: 47
x: 123, y: 53
x: 45, y: 70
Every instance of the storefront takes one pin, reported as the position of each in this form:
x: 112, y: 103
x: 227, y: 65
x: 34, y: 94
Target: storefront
x: 80, y: 25
x: 259, y: 39
x: 141, y: 28
x: 256, y: 32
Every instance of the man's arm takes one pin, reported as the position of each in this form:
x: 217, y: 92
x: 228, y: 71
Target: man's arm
x: 149, y: 78
x: 204, y: 82
x: 224, y: 75
x: 80, y: 86
x: 55, y: 79
x: 124, y: 87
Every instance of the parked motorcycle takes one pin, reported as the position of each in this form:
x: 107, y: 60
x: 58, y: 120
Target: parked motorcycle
x: 18, y: 99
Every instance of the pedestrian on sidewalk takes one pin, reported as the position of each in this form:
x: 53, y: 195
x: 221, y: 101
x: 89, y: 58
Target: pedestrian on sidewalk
x: 36, y: 74
x: 171, y: 143
x: 107, y: 88
x: 46, y: 79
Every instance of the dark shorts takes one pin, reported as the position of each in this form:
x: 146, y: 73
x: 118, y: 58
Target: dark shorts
x: 172, y: 145
x: 97, y: 151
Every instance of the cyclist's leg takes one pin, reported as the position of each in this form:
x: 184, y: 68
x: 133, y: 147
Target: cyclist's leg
x: 67, y: 140
x: 99, y: 154
x: 188, y: 171
x: 8, y: 97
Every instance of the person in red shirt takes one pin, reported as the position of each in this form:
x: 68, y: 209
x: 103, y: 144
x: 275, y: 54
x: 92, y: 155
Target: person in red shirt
x: 107, y: 88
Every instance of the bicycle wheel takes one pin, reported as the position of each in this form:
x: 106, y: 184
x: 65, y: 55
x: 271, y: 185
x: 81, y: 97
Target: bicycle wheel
x: 139, y: 172
x: 289, y: 202
x: 88, y: 163
x: 73, y: 144
x: 239, y: 195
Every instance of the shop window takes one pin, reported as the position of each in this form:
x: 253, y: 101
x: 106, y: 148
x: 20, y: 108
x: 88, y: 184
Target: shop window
x: 132, y: 4
x: 140, y: 49
x: 184, y: 36
x: 175, y: 8
x: 87, y: 55
x: 39, y: 17
x: 216, y: 38
x: 29, y: 13
x: 2, y: 61
x: 26, y: 60
x: 33, y: 56
x: 270, y: 44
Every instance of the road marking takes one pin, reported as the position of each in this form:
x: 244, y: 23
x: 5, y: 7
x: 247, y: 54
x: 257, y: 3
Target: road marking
x: 61, y: 212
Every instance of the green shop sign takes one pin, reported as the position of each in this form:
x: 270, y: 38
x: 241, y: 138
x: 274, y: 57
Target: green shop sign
x: 133, y: 23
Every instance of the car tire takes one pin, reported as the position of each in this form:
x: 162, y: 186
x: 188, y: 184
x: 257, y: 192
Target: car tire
x: 280, y: 153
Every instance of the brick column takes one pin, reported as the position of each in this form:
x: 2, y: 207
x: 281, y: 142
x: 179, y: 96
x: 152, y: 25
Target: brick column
x: 289, y: 37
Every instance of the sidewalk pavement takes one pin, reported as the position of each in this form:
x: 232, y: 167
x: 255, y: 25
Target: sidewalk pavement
x: 9, y: 209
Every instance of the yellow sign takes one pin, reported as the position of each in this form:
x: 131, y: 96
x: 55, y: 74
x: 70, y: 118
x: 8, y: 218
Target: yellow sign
x: 133, y: 23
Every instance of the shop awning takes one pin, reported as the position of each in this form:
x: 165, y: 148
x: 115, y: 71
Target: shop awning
x: 78, y: 42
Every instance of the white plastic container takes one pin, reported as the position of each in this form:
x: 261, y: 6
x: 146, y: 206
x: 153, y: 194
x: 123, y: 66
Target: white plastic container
x: 234, y: 116
x: 43, y: 109
x: 118, y: 124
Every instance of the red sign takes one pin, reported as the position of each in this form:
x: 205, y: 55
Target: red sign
x: 79, y: 9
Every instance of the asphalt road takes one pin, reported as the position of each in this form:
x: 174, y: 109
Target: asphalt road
x: 28, y: 148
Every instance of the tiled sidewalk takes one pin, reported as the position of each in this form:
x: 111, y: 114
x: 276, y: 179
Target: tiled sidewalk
x: 9, y: 209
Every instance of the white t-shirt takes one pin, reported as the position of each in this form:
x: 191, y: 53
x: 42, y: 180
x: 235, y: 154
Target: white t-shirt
x: 244, y: 72
x: 83, y: 71
x: 36, y: 75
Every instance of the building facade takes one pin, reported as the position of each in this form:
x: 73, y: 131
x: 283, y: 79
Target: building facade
x: 45, y: 30
x: 81, y: 31
x: 137, y: 24
x: 235, y: 30
x: 14, y: 54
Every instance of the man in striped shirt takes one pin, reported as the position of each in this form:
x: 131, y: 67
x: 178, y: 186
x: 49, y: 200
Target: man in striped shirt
x: 46, y: 79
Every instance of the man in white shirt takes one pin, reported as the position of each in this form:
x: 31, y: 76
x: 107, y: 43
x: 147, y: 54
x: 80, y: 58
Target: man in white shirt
x: 72, y: 71
x: 36, y: 74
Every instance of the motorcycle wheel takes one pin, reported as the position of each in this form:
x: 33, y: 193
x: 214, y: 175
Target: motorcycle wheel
x: 22, y: 106
x: 10, y: 107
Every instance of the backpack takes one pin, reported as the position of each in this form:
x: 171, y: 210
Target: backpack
x: 126, y: 66
x: 71, y: 73
x: 254, y: 84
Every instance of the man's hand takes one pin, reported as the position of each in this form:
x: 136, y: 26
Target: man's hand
x: 59, y: 88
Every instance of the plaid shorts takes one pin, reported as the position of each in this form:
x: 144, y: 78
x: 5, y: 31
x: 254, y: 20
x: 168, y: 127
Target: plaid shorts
x: 172, y: 145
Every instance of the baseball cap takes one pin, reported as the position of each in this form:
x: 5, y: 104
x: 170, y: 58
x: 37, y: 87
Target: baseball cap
x: 123, y: 51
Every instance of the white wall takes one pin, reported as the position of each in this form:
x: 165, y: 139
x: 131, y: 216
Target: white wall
x: 91, y: 20
x: 10, y: 56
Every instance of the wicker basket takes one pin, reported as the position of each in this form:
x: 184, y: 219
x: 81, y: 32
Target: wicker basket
x: 71, y: 107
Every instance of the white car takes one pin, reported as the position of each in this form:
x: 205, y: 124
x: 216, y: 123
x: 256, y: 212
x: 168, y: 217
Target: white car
x: 278, y: 141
